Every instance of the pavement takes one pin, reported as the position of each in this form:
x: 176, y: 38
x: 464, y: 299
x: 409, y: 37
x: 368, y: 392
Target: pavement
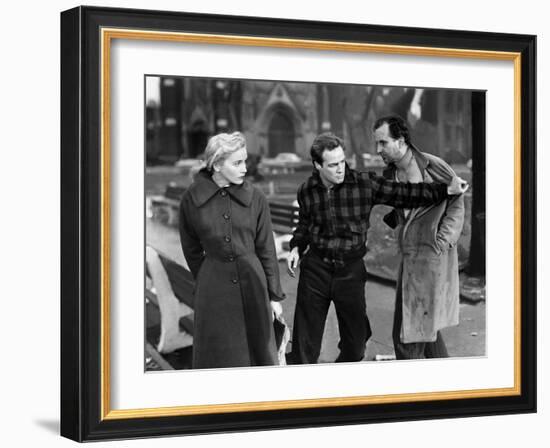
x: 467, y: 339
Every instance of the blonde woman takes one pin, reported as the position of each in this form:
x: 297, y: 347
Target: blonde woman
x: 226, y: 237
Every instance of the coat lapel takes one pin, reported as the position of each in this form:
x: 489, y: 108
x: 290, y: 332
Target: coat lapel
x: 422, y: 162
x: 390, y: 172
x: 242, y: 193
x: 204, y: 188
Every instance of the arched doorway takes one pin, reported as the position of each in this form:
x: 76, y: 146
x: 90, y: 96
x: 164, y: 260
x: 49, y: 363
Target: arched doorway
x: 281, y: 134
x: 198, y: 137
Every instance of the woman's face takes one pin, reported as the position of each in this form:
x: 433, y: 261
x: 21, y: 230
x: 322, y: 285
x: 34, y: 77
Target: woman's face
x: 233, y: 168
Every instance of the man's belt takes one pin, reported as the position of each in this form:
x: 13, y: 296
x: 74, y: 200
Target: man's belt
x: 338, y: 257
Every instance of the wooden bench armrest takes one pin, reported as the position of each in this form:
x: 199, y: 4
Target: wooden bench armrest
x: 172, y: 310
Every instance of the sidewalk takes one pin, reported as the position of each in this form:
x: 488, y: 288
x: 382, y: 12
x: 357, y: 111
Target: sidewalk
x: 466, y: 339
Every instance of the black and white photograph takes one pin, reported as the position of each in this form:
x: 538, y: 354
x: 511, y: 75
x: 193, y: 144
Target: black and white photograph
x: 291, y: 223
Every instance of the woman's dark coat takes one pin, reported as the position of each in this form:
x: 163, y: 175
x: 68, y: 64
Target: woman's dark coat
x: 228, y: 243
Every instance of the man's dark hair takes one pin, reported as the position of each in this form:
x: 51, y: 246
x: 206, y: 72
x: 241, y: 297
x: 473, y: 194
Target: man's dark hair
x: 397, y: 126
x: 325, y: 141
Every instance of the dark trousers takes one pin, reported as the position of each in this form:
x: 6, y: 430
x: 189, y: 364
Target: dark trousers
x: 413, y: 350
x: 319, y: 284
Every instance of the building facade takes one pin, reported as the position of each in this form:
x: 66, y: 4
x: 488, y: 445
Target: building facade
x: 284, y: 117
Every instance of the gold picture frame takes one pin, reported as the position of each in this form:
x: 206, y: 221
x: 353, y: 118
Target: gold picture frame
x: 87, y: 37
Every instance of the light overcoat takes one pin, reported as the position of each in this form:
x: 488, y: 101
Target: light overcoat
x: 427, y: 239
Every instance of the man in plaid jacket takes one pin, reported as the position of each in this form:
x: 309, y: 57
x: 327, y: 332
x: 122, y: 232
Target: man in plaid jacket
x: 335, y: 204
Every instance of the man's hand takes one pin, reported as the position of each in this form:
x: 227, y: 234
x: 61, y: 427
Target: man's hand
x: 276, y: 308
x: 457, y: 186
x: 292, y: 261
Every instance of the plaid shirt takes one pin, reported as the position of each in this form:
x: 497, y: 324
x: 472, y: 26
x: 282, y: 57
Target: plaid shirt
x: 335, y: 221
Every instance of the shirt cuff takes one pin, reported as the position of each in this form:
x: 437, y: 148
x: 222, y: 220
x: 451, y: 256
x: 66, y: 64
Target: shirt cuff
x: 276, y: 296
x: 300, y: 245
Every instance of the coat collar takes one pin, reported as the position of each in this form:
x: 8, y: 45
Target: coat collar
x: 203, y: 188
x: 315, y: 179
x: 421, y: 160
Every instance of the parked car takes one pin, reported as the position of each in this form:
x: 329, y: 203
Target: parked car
x: 372, y: 160
x: 369, y: 161
x: 187, y: 163
x: 287, y: 157
x: 284, y: 162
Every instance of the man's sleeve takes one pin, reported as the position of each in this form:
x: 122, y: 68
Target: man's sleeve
x: 301, y: 237
x: 390, y: 218
x: 452, y: 221
x: 406, y: 194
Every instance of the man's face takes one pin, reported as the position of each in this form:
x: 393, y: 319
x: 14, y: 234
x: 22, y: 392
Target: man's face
x: 334, y: 166
x: 390, y: 149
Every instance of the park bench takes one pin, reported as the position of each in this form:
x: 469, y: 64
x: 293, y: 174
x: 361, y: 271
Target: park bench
x: 165, y: 208
x: 174, y: 192
x: 169, y: 286
x: 284, y: 219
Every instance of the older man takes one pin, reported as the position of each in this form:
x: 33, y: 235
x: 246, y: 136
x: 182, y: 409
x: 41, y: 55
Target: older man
x: 335, y: 205
x: 427, y: 292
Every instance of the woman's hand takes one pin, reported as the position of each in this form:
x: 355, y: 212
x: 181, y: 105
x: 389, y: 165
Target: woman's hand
x: 276, y: 308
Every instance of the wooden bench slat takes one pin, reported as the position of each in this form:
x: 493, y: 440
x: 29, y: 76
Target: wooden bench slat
x: 282, y: 228
x: 157, y: 357
x: 284, y: 214
x: 187, y: 323
x: 284, y: 217
x: 174, y: 192
x: 162, y: 200
x: 284, y: 223
x: 282, y: 207
x: 181, y: 280
x: 152, y: 297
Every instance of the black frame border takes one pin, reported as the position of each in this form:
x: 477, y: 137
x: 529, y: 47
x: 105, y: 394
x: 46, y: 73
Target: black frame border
x: 81, y: 223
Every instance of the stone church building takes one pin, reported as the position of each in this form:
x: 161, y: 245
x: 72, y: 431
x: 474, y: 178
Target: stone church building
x: 285, y: 117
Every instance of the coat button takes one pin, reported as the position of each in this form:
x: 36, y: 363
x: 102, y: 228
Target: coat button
x: 235, y: 281
x: 226, y: 216
x: 227, y: 238
x: 223, y: 193
x: 231, y: 258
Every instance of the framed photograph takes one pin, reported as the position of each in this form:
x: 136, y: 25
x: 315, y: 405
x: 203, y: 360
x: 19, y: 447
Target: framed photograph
x: 243, y: 206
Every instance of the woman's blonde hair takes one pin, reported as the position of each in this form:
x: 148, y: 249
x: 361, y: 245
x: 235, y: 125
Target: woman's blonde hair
x: 220, y: 146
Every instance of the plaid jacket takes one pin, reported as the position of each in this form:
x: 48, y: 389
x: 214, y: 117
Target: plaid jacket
x: 335, y: 221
